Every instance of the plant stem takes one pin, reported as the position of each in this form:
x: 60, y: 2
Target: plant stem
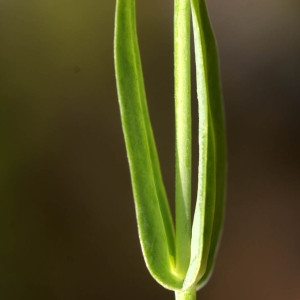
x: 183, y: 133
x: 189, y: 294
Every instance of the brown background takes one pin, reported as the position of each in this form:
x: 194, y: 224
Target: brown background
x: 67, y: 223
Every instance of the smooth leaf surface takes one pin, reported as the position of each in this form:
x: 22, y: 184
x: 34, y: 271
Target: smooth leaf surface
x: 218, y: 131
x: 156, y: 231
x: 195, y: 248
x: 208, y: 215
x: 183, y: 132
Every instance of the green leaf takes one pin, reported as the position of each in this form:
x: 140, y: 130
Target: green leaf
x: 208, y: 215
x: 183, y: 145
x: 155, y: 225
x: 218, y: 128
x: 194, y: 251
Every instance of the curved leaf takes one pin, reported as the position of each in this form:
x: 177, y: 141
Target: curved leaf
x: 218, y: 122
x: 156, y: 230
x: 208, y: 216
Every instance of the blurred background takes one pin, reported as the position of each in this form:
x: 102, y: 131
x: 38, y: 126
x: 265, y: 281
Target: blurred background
x: 67, y: 221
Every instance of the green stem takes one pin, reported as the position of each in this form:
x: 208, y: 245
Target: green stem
x: 183, y: 133
x: 189, y: 294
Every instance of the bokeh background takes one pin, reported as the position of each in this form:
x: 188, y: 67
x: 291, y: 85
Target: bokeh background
x: 67, y: 222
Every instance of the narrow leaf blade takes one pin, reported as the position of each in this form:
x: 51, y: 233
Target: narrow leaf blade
x: 155, y: 225
x: 218, y: 132
x: 211, y: 174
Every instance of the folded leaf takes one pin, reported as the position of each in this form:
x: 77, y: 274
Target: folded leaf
x: 208, y: 215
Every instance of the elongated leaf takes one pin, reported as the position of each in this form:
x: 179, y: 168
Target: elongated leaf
x: 208, y: 216
x: 218, y: 122
x: 154, y: 220
x: 183, y: 137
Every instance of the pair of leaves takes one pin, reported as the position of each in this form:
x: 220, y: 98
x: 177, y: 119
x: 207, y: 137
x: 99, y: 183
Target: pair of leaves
x: 155, y: 224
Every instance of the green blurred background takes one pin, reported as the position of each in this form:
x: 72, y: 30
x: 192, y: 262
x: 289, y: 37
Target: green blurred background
x: 67, y: 222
